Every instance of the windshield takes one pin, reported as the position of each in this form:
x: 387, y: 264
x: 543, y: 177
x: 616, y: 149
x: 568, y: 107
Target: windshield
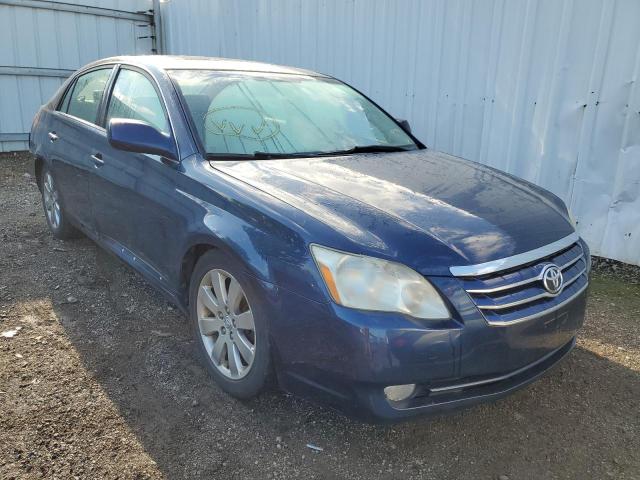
x: 247, y: 113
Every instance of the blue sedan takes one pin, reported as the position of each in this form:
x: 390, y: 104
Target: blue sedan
x: 311, y: 239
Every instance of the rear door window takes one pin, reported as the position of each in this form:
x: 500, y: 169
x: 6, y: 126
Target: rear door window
x: 86, y: 94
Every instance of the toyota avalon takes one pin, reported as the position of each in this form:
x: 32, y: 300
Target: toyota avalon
x: 311, y: 239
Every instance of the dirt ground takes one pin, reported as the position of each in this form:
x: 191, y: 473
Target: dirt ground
x: 100, y: 380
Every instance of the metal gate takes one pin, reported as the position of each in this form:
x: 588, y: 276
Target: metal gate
x: 43, y: 42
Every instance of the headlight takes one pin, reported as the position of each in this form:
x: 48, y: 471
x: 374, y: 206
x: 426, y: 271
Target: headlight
x: 371, y: 283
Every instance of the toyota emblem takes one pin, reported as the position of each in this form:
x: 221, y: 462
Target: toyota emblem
x: 552, y: 278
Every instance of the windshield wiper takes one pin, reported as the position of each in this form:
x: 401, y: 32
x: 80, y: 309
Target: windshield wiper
x: 370, y: 149
x: 258, y: 155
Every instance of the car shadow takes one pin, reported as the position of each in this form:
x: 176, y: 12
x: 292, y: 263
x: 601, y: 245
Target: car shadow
x: 578, y: 420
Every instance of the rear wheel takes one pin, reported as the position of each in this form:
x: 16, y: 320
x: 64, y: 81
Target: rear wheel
x: 53, y: 211
x: 228, y: 325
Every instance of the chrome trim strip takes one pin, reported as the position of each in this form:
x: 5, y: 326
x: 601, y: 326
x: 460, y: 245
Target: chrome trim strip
x: 539, y: 314
x: 572, y: 279
x: 497, y: 379
x: 535, y: 297
x: 515, y: 260
x: 575, y: 260
x: 522, y: 282
x: 81, y: 121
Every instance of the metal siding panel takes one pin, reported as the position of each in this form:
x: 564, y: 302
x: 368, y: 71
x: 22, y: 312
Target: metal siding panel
x: 26, y: 44
x: 523, y: 74
x: 480, y: 39
x: 7, y: 40
x: 67, y: 38
x: 418, y: 100
x: 9, y: 106
x: 438, y: 58
x: 506, y: 83
x: 489, y: 96
x: 608, y: 175
x: 587, y: 44
x: 462, y: 87
x: 543, y: 72
x: 552, y: 95
x: 46, y: 39
x: 29, y: 89
x: 41, y: 38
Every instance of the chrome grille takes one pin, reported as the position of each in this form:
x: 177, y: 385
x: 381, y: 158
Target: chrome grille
x: 516, y: 295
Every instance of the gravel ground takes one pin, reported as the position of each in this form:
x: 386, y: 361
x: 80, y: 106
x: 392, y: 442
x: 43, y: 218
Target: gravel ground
x: 617, y: 270
x: 100, y: 380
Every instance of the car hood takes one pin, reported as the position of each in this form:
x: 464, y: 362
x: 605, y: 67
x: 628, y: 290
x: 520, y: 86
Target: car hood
x: 471, y: 213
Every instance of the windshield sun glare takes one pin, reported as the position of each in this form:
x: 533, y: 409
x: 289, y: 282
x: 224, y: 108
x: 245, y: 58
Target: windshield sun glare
x: 278, y: 115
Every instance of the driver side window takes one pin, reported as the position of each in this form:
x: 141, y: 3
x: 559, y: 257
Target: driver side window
x: 135, y: 98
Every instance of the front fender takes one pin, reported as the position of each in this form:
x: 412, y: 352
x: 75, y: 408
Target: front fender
x: 269, y: 250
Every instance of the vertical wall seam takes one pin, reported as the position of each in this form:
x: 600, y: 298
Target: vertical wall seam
x: 553, y: 100
x: 522, y: 81
x: 461, y: 86
x: 490, y: 90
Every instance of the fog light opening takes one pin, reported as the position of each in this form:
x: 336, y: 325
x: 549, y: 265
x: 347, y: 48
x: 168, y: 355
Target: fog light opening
x: 398, y: 393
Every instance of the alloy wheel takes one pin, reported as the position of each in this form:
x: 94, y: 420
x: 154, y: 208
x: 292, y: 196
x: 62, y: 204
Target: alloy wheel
x: 51, y: 201
x: 226, y: 324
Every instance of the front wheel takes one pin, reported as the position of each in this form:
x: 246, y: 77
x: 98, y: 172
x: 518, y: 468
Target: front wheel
x: 228, y: 325
x: 53, y: 211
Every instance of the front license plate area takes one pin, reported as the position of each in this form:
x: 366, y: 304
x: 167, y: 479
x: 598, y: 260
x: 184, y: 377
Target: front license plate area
x: 490, y: 350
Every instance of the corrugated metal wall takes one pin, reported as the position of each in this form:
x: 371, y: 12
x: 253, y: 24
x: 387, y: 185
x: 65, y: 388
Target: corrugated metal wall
x: 41, y: 43
x: 547, y: 90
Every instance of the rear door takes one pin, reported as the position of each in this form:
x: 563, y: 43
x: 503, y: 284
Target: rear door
x: 72, y: 131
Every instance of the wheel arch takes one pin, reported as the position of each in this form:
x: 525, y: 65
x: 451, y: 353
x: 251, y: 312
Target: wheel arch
x: 38, y: 165
x: 188, y: 263
x: 202, y: 244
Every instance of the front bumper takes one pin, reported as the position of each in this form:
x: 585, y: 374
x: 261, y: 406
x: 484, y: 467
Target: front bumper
x: 344, y: 358
x: 455, y: 396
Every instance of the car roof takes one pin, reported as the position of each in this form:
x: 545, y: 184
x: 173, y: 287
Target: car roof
x: 180, y: 62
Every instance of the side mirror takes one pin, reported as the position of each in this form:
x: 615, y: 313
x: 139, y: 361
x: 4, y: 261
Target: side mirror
x: 404, y: 124
x: 136, y: 136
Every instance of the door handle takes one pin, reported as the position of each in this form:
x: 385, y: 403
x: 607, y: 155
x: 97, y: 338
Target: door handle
x: 53, y: 137
x: 97, y: 159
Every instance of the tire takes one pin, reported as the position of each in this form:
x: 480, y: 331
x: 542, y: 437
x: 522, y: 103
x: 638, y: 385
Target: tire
x: 239, y: 375
x: 54, y: 213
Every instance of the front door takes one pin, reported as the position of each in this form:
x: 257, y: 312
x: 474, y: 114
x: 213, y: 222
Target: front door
x: 133, y: 193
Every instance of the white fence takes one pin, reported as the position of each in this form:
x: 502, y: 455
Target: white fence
x: 547, y: 90
x: 42, y: 43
